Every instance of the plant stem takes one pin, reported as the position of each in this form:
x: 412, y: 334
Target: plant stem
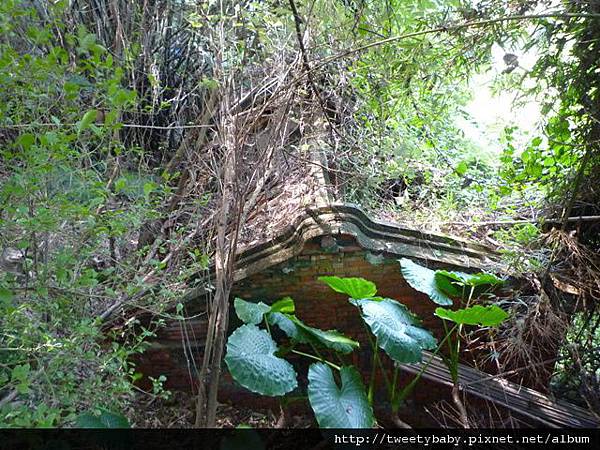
x: 394, y: 382
x: 308, y: 355
x: 314, y: 349
x: 376, y: 354
x: 373, y: 372
x: 405, y: 392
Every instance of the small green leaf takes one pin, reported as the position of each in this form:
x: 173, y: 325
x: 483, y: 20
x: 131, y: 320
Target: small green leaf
x: 120, y: 184
x: 353, y: 287
x: 284, y: 305
x: 252, y: 363
x: 487, y: 316
x: 332, y: 339
x: 461, y: 168
x: 423, y: 280
x: 250, y: 312
x: 20, y: 372
x: 335, y: 407
x: 148, y: 189
x: 87, y: 119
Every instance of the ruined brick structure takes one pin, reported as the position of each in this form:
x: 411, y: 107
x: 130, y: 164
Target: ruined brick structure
x: 340, y: 240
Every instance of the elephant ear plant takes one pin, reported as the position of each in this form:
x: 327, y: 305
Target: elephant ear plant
x: 336, y: 392
x: 441, y: 286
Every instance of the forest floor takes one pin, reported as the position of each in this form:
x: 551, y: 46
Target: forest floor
x: 179, y: 411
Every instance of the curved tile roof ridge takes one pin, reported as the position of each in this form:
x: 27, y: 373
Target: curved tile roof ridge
x: 371, y: 234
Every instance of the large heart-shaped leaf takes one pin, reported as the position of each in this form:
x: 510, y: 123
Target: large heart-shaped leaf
x: 397, y: 330
x: 353, y: 287
x: 487, y: 316
x: 252, y: 363
x: 450, y: 283
x: 334, y: 407
x: 459, y: 284
x: 250, y: 312
x: 423, y: 280
x: 106, y: 419
x: 300, y: 332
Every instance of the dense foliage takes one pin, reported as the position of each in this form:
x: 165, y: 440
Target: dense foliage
x: 138, y: 138
x: 257, y: 363
x: 70, y: 197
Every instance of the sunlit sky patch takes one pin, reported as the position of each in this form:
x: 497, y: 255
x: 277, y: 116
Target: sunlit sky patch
x: 490, y: 112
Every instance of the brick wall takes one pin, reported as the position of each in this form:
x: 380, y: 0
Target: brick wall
x: 177, y: 350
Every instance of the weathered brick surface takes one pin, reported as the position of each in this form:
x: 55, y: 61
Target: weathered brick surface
x: 316, y: 304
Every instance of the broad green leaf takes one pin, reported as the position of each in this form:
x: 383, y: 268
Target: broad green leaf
x: 250, y: 312
x: 26, y: 140
x: 87, y: 119
x: 335, y: 407
x: 252, y: 363
x: 422, y: 279
x: 461, y: 284
x: 106, y: 419
x: 88, y: 420
x: 487, y: 316
x: 332, y: 339
x: 287, y: 326
x: 284, y: 305
x: 397, y: 330
x: 300, y: 332
x: 479, y: 279
x: 450, y: 283
x: 113, y: 420
x: 353, y: 287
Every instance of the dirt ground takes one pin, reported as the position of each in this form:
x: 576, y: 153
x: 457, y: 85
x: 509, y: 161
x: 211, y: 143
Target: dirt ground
x: 178, y: 412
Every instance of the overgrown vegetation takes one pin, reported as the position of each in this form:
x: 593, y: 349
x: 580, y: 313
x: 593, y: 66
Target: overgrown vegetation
x: 143, y: 142
x: 256, y: 362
